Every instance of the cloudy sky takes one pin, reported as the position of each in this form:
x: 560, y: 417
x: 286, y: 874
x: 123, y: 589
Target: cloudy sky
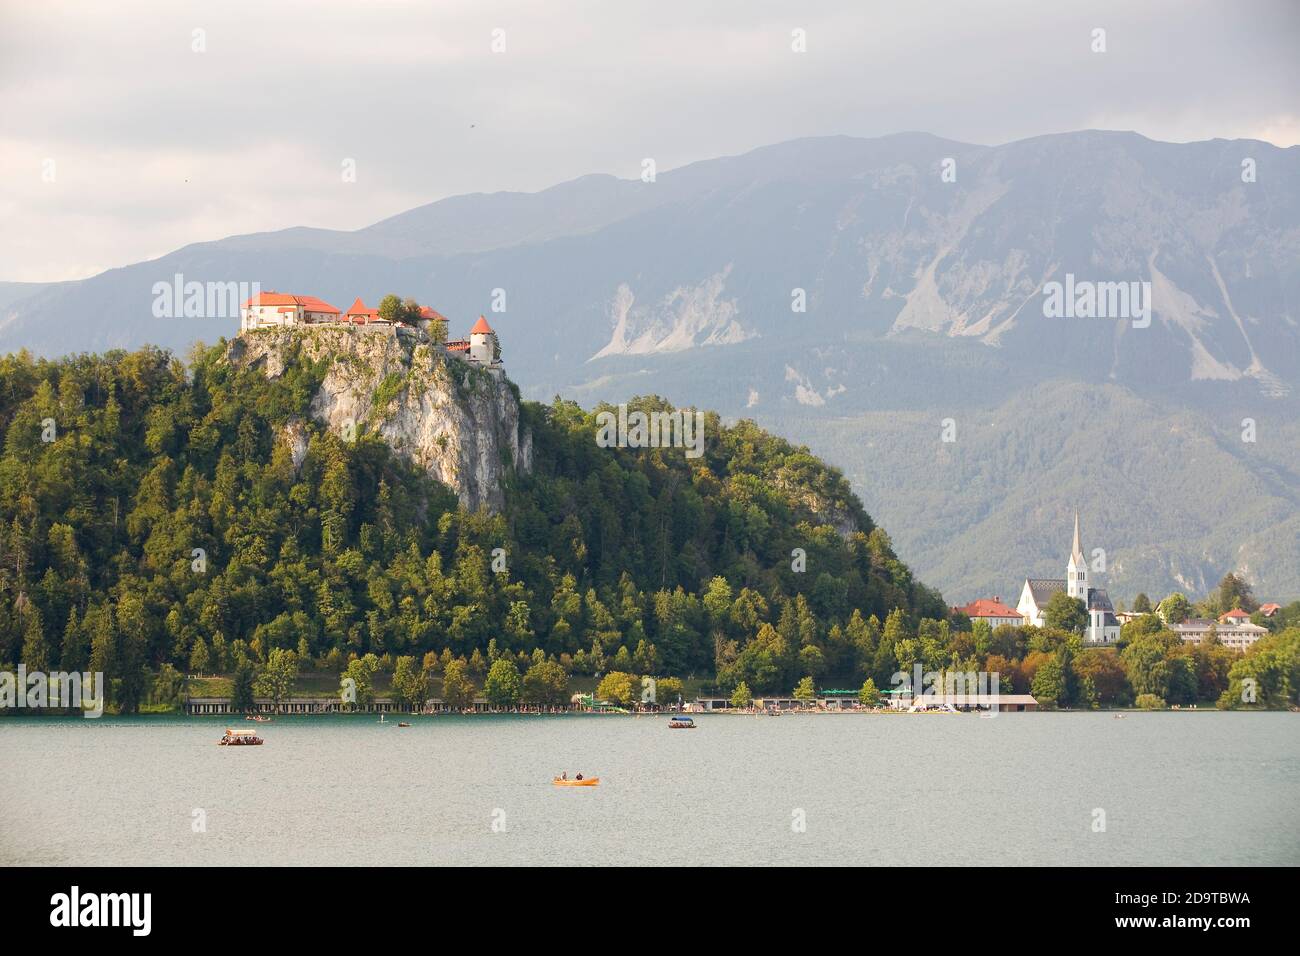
x: 124, y: 133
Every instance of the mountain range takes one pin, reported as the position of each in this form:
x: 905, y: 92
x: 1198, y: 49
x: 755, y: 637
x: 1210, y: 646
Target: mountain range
x: 870, y: 298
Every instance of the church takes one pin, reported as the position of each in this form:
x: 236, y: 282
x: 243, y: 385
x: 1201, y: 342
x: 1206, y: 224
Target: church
x: 1103, y: 626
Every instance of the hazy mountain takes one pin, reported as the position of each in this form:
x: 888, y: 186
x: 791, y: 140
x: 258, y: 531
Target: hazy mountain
x: 924, y: 301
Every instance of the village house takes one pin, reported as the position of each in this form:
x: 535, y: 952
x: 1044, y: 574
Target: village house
x: 272, y: 309
x: 994, y: 612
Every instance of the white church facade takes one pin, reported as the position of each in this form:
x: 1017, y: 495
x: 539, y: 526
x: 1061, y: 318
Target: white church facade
x: 1103, y: 626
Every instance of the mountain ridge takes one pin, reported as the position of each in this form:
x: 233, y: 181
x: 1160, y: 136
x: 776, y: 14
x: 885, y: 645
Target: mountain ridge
x: 921, y: 295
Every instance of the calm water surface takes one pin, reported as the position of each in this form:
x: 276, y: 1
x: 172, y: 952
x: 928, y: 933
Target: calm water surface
x: 1203, y: 788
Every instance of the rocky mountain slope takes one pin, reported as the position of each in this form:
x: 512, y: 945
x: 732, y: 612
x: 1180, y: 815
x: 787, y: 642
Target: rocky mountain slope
x: 459, y: 423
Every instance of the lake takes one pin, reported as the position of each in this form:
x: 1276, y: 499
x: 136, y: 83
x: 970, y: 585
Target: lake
x: 1175, y: 788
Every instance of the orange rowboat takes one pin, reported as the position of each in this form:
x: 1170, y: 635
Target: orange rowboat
x: 586, y: 782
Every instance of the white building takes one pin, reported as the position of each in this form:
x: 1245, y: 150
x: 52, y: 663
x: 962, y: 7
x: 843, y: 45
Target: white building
x: 279, y: 308
x: 1233, y: 631
x: 1103, y: 626
x: 994, y: 612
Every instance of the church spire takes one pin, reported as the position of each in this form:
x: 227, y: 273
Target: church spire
x: 1076, y: 551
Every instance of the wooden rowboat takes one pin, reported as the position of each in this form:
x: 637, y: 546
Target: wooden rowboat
x: 585, y: 782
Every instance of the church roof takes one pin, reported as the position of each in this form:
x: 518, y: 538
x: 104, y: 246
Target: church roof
x: 1042, y: 589
x: 481, y: 327
x: 1099, y: 600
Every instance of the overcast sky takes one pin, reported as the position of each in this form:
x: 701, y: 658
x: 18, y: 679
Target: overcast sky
x: 120, y: 142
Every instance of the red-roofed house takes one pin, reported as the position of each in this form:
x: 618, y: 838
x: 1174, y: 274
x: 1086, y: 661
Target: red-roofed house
x: 281, y: 308
x: 1235, y: 616
x: 1268, y: 610
x: 993, y: 611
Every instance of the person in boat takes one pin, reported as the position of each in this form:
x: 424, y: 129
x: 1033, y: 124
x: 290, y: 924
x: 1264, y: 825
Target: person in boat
x: 578, y: 777
x: 564, y: 775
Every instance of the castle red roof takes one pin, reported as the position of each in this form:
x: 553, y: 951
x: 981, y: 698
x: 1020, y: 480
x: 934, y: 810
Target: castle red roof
x: 481, y: 327
x: 309, y: 302
x: 428, y: 313
x: 358, y: 312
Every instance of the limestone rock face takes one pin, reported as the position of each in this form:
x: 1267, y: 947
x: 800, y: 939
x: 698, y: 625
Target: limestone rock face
x: 458, y: 422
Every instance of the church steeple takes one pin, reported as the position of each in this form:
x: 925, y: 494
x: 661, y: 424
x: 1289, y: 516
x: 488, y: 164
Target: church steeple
x: 1076, y: 572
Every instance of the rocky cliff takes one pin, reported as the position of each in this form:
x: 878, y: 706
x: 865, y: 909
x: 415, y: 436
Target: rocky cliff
x: 459, y: 422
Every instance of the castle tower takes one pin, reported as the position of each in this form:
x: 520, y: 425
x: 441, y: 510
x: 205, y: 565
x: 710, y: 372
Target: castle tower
x: 482, y: 343
x: 1076, y: 572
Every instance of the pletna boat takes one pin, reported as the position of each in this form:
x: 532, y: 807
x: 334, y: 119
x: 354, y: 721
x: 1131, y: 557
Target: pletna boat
x: 584, y: 782
x: 681, y: 723
x: 240, y: 738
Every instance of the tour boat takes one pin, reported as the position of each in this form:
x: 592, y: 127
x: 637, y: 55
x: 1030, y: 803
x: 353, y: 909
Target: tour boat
x: 240, y: 738
x: 681, y: 723
x: 585, y: 782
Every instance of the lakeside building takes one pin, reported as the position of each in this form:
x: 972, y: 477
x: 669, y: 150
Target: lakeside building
x: 1232, y: 629
x: 992, y: 611
x: 211, y: 706
x: 1103, y: 626
x: 280, y: 309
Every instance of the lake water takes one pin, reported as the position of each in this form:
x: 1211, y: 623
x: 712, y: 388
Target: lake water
x: 1175, y: 788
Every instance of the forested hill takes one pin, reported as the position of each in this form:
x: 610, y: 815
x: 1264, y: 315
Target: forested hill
x: 118, y: 468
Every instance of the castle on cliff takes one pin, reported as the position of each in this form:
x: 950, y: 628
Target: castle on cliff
x: 280, y: 309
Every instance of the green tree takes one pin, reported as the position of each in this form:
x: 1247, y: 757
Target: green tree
x: 457, y: 688
x: 869, y: 696
x: 1142, y: 603
x: 805, y: 692
x: 410, y: 683
x: 503, y: 686
x: 278, y: 675
x: 545, y: 684
x: 1236, y: 592
x: 1176, y: 608
x: 618, y: 687
x: 741, y: 696
x: 199, y: 657
x: 356, y: 683
x: 1065, y: 613
x: 1048, y: 685
x: 668, y: 691
x: 241, y: 692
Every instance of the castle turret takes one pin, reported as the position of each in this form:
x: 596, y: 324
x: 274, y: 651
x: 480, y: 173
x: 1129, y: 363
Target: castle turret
x: 483, y: 347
